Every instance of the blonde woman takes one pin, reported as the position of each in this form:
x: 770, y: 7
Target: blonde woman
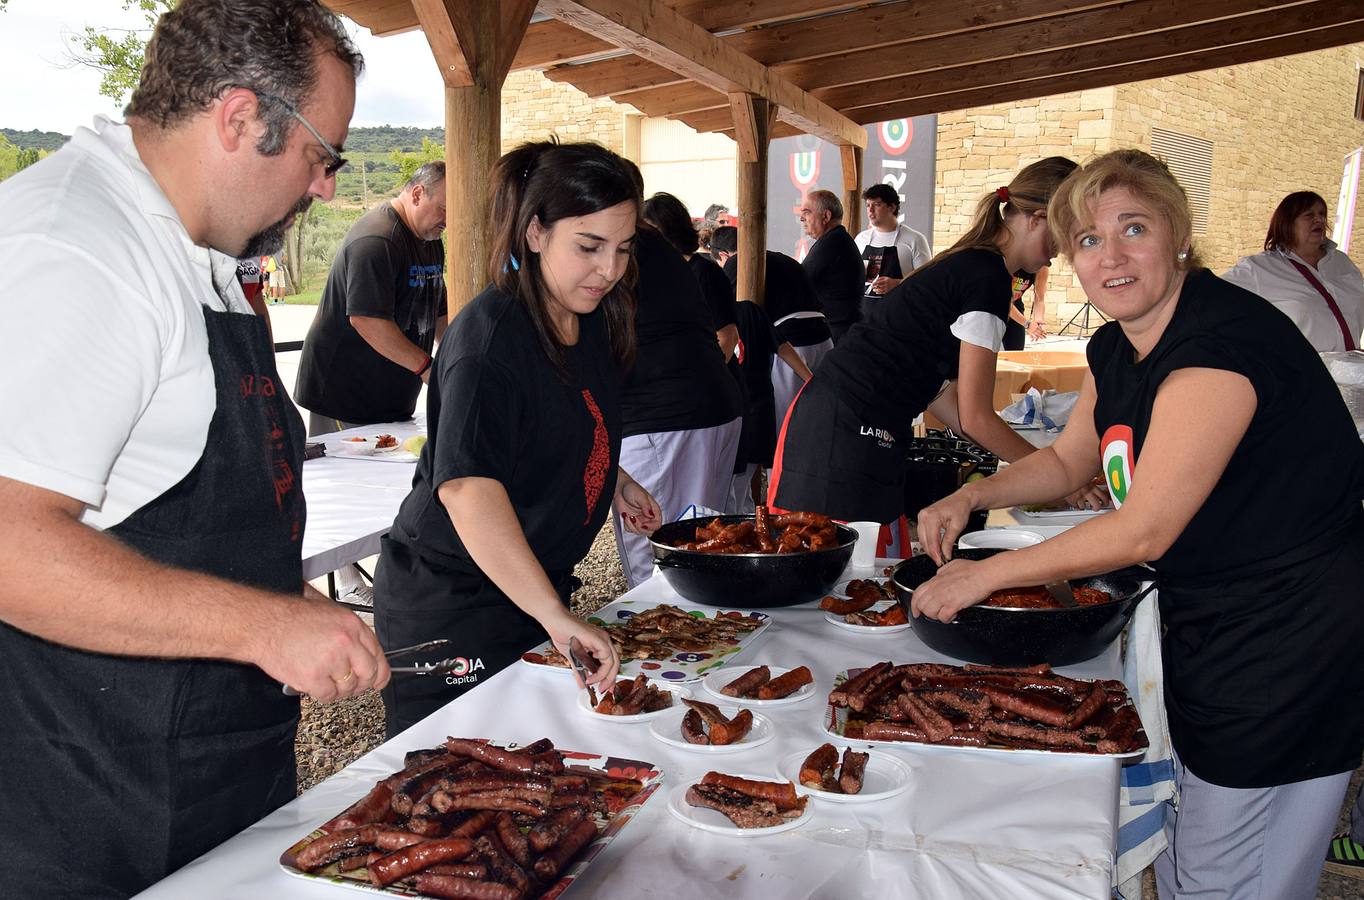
x: 1193, y: 409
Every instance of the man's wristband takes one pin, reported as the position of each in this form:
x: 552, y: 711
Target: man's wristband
x: 424, y: 366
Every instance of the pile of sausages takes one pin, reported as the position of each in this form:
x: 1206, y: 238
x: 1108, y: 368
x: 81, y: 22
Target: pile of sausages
x: 863, y: 594
x: 704, y: 724
x: 791, y: 532
x: 631, y: 698
x: 470, y: 820
x: 986, y: 706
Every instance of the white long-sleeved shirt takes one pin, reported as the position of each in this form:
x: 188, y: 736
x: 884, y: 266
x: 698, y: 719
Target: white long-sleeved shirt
x: 1271, y: 275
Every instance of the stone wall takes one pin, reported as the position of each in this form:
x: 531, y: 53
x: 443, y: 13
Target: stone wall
x: 533, y: 108
x: 981, y: 148
x: 1276, y: 126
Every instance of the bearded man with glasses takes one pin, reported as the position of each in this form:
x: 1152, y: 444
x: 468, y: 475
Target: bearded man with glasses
x: 151, y: 591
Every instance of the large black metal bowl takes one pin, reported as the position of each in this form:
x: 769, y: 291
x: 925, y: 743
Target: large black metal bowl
x: 1024, y: 637
x: 748, y: 580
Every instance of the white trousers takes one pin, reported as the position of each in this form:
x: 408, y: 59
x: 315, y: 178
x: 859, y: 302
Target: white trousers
x: 1247, y: 843
x: 678, y: 468
x: 786, y: 383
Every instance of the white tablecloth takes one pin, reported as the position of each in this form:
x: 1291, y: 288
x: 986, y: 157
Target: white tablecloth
x: 973, y: 824
x: 351, y: 502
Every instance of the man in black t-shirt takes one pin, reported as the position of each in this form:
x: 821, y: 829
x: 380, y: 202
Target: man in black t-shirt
x: 369, y: 349
x: 833, y: 263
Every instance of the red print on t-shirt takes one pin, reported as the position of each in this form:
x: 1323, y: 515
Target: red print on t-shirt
x: 594, y: 474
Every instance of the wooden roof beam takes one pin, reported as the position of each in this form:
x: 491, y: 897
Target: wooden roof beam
x: 652, y: 30
x: 467, y: 47
x: 1197, y: 61
x: 1120, y: 51
x: 1009, y: 43
x: 885, y: 25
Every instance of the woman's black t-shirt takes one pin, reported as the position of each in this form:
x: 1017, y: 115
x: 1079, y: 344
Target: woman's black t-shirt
x: 1259, y: 595
x: 758, y: 343
x: 716, y: 291
x: 891, y: 365
x: 497, y: 409
x: 1298, y: 473
x: 679, y: 381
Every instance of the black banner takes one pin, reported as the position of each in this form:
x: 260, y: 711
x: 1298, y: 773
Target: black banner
x: 900, y: 153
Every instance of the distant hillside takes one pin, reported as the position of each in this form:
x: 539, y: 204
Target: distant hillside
x: 384, y: 138
x: 360, y: 140
x: 51, y: 140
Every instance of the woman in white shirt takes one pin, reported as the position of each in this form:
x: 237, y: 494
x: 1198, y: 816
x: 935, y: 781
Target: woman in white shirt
x: 1303, y: 274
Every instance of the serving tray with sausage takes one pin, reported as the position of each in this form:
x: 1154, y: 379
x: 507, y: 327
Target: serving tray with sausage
x: 986, y: 708
x: 478, y: 819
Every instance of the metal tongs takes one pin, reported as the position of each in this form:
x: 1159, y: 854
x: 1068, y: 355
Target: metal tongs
x: 430, y: 668
x: 583, y: 664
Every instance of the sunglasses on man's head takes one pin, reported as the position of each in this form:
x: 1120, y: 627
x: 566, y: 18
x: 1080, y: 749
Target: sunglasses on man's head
x: 336, y: 161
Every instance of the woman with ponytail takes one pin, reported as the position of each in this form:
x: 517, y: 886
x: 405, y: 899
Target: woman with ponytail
x: 932, y: 344
x: 523, y: 413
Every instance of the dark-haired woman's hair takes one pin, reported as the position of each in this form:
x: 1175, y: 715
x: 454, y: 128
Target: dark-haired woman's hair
x: 666, y: 213
x: 1280, y: 234
x: 1028, y: 193
x: 201, y: 48
x: 725, y: 239
x: 550, y: 181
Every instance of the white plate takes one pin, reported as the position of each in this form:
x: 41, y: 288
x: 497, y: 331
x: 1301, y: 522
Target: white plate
x: 676, y: 690
x: 841, y: 589
x: 999, y: 539
x: 869, y: 629
x: 668, y: 729
x: 716, y: 822
x: 1059, y: 513
x: 396, y: 455
x: 721, y: 677
x: 885, y: 776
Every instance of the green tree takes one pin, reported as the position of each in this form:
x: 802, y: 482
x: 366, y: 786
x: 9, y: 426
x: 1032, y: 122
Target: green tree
x: 117, y: 52
x: 409, y: 162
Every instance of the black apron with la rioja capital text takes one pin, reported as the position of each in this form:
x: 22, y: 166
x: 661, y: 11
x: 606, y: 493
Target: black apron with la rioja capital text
x: 118, y: 769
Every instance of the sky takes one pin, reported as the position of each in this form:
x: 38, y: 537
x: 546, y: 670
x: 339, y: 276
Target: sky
x: 43, y: 89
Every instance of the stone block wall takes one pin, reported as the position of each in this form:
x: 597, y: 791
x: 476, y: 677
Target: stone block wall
x: 980, y: 149
x: 1276, y: 126
x: 533, y: 108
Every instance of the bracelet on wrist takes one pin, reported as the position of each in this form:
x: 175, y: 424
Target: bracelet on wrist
x: 422, y: 369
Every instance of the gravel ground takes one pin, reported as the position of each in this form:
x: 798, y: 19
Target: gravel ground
x: 331, y: 736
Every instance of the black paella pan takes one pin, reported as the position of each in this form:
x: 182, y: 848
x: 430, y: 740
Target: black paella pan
x: 1023, y: 637
x: 748, y: 580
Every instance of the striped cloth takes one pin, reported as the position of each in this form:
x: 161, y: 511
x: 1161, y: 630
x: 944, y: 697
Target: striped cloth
x: 1148, y: 782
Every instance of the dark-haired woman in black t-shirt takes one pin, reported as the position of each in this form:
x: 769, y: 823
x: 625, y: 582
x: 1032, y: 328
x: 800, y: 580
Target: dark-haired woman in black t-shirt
x: 1238, y: 474
x: 524, y: 416
x: 932, y: 343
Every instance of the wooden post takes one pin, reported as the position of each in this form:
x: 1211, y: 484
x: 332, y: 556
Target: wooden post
x: 852, y: 187
x: 752, y: 124
x: 474, y: 42
x: 473, y: 143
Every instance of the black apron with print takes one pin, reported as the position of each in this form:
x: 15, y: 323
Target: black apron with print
x: 120, y: 770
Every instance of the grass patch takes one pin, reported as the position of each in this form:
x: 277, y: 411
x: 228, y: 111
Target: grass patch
x: 305, y: 298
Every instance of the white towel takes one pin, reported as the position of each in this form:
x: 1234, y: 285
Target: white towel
x: 1148, y: 782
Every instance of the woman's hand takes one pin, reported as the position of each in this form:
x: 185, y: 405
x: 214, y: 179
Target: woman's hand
x: 563, y: 626
x: 940, y: 524
x: 1037, y: 329
x: 1092, y: 496
x: 638, y: 510
x: 959, y: 584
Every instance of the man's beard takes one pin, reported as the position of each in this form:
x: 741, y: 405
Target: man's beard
x: 269, y: 241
